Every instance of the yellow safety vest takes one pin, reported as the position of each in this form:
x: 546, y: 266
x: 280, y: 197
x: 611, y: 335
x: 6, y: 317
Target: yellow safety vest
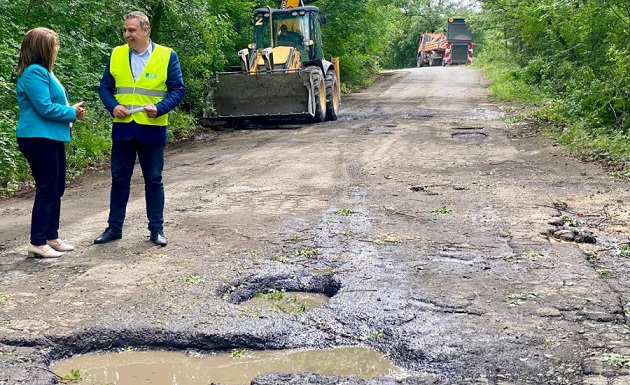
x: 150, y: 87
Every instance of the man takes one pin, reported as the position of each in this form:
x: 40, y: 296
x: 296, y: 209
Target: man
x: 141, y: 83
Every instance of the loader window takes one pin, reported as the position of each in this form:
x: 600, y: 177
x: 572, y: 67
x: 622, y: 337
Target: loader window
x: 289, y: 29
x: 292, y: 39
x: 316, y: 50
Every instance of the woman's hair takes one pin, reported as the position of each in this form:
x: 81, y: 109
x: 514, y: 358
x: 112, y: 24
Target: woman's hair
x: 39, y: 46
x: 143, y: 19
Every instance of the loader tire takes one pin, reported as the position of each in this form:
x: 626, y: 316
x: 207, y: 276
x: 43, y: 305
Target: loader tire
x: 333, y: 95
x: 319, y: 94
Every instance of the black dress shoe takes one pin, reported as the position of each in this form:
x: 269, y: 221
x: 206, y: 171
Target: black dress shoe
x: 108, y: 235
x: 158, y: 238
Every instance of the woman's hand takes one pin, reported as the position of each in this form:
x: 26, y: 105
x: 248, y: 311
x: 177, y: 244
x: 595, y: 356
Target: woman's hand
x: 80, y: 111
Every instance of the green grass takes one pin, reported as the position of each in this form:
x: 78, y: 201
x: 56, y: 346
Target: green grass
x: 577, y: 118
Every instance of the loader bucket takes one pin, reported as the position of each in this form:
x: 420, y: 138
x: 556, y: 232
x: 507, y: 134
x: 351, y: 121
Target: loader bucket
x: 280, y: 94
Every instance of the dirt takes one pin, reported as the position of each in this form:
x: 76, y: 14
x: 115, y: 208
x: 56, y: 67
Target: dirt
x: 424, y: 212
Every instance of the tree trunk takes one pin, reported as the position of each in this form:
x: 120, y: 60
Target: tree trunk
x: 156, y: 19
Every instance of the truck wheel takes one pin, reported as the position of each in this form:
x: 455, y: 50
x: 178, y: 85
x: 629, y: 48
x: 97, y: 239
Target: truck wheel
x: 319, y: 93
x: 333, y: 95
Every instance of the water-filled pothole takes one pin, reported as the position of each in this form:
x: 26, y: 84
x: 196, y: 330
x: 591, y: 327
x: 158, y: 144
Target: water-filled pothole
x: 287, y: 302
x: 236, y: 367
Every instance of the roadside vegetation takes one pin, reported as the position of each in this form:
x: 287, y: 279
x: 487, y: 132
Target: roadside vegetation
x: 569, y: 63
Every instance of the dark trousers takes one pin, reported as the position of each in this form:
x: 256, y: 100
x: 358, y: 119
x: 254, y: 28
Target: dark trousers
x: 47, y: 159
x: 151, y: 158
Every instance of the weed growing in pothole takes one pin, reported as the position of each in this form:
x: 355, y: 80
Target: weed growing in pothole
x: 625, y: 251
x: 192, y: 279
x: 570, y: 221
x: 344, y: 212
x: 590, y: 255
x: 281, y: 259
x: 376, y: 335
x: 614, y: 359
x: 560, y: 205
x: 153, y: 255
x: 604, y: 273
x: 442, y: 210
x: 73, y: 376
x: 240, y: 353
x: 5, y: 297
x: 283, y: 301
x: 308, y: 253
x: 271, y: 295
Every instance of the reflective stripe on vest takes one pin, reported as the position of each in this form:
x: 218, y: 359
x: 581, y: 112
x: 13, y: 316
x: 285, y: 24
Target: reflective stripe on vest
x: 150, y: 87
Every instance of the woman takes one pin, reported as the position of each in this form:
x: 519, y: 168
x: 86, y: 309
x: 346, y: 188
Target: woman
x: 43, y: 128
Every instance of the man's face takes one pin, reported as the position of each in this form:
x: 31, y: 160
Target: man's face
x: 136, y: 37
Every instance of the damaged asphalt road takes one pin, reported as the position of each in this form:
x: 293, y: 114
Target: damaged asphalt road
x: 447, y: 236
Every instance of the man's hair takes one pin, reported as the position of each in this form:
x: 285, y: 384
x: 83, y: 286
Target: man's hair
x: 142, y: 18
x: 39, y: 46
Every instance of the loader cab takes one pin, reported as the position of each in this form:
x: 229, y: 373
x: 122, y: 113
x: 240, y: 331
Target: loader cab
x: 295, y: 27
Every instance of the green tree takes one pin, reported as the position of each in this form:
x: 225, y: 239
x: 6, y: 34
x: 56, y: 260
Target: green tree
x: 574, y: 53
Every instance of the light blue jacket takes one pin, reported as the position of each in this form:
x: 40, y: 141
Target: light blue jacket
x: 44, y: 110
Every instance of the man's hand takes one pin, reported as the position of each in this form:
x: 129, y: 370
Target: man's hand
x: 120, y: 111
x: 151, y: 110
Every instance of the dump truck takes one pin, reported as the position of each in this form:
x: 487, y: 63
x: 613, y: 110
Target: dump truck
x: 283, y: 73
x: 459, y: 43
x: 431, y: 49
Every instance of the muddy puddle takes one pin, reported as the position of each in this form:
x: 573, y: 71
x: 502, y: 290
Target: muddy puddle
x: 287, y: 302
x: 236, y: 367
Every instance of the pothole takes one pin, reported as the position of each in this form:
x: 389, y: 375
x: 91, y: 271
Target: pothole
x: 238, y: 366
x: 273, y: 289
x: 469, y: 135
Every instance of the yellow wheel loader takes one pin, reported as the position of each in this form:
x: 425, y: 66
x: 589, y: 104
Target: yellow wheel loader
x: 283, y: 73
